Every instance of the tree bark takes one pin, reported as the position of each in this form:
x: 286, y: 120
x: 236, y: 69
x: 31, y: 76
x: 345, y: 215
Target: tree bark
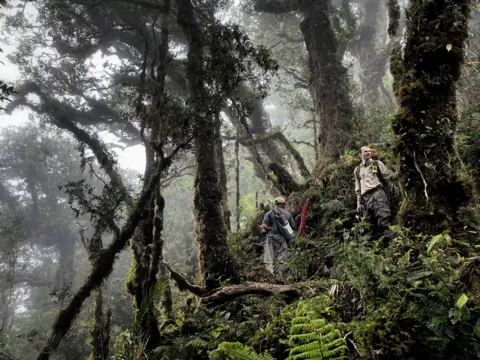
x: 148, y: 243
x: 143, y: 286
x: 66, y: 258
x: 372, y: 58
x: 328, y: 77
x: 237, y: 183
x: 222, y: 171
x: 214, y: 258
x: 101, y: 330
x: 328, y: 80
x: 230, y: 293
x: 438, y: 192
x: 225, y: 294
x: 101, y: 269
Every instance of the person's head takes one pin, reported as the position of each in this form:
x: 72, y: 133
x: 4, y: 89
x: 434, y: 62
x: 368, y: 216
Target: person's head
x: 280, y: 202
x: 365, y: 153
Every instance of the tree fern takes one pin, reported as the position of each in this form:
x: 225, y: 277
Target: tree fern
x: 236, y: 351
x: 312, y: 338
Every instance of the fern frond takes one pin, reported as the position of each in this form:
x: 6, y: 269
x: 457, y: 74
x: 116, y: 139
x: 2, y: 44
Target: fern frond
x: 198, y: 343
x: 236, y: 351
x: 313, y: 338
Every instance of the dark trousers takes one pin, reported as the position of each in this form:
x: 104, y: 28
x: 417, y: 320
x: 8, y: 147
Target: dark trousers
x: 377, y: 211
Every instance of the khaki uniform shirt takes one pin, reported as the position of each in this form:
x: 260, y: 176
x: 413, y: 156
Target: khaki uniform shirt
x: 367, y: 180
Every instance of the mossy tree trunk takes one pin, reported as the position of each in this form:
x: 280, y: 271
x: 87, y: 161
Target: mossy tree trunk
x: 142, y: 289
x: 328, y: 77
x: 101, y: 330
x: 103, y: 265
x: 148, y: 243
x: 214, y: 258
x: 438, y: 192
x: 237, y: 183
x: 148, y: 252
x: 328, y: 80
x: 222, y: 171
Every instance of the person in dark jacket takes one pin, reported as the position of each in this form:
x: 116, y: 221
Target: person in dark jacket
x: 280, y: 226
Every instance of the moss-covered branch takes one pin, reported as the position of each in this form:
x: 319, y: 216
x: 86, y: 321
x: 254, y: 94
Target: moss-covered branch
x: 102, y: 267
x: 182, y: 283
x: 279, y: 136
x: 285, y: 181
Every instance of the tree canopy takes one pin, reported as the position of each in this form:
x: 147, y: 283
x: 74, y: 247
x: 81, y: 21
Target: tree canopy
x: 160, y: 131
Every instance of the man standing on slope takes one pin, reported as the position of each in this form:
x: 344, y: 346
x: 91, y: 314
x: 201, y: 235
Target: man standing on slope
x: 280, y: 226
x: 371, y: 197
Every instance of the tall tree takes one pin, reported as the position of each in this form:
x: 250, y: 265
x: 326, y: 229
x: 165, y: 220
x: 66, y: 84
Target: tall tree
x: 368, y: 45
x: 438, y: 192
x: 328, y: 77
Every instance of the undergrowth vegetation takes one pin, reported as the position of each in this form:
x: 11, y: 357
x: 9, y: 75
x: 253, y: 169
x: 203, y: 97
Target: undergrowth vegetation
x: 415, y: 297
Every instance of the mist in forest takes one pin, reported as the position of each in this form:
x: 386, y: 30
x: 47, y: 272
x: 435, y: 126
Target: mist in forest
x: 143, y: 141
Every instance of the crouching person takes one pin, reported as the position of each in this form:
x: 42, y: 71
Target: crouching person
x: 280, y: 227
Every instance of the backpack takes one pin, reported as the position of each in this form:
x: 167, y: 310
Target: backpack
x: 283, y: 225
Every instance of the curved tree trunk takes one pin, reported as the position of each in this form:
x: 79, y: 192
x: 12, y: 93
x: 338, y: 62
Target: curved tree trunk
x: 438, y: 192
x: 101, y: 268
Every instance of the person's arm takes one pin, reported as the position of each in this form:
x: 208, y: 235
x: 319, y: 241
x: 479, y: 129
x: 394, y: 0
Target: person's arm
x: 267, y: 222
x: 292, y: 222
x: 387, y: 174
x: 357, y: 190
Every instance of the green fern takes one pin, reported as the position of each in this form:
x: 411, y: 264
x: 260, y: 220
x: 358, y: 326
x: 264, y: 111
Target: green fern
x: 236, y: 351
x: 198, y: 343
x: 312, y: 338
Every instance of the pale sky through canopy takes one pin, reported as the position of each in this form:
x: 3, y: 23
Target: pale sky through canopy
x: 131, y: 158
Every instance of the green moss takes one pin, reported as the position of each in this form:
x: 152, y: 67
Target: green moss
x: 130, y: 285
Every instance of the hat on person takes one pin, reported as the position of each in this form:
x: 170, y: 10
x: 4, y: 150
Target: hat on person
x: 280, y: 200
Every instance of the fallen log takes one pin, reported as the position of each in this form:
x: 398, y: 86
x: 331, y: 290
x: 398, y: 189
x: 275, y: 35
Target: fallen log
x: 229, y: 293
x: 226, y: 294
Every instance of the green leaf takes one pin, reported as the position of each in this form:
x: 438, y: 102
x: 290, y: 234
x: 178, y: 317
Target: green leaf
x: 436, y: 321
x: 462, y: 300
x: 476, y: 328
x: 434, y: 240
x: 455, y: 314
x: 448, y: 47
